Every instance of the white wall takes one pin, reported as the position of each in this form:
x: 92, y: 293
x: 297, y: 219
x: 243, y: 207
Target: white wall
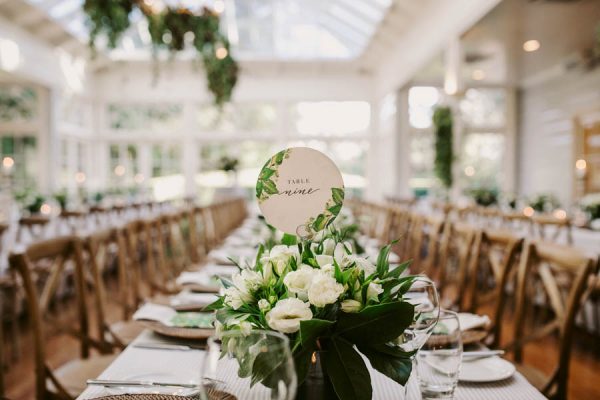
x: 546, y: 113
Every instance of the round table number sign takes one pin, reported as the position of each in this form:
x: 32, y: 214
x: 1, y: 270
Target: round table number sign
x: 300, y: 191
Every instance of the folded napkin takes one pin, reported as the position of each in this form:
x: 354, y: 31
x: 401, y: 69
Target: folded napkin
x: 196, y: 278
x: 169, y: 317
x: 469, y: 321
x: 217, y: 269
x: 186, y: 298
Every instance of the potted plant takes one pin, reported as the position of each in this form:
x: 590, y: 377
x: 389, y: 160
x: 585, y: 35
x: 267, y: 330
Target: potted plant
x: 485, y: 197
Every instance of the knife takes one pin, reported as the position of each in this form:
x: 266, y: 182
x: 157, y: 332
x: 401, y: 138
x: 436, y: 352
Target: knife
x: 167, y: 346
x: 113, y: 383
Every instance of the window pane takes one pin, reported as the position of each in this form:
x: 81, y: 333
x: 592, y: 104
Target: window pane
x: 484, y: 107
x: 17, y: 103
x: 238, y: 118
x: 421, y: 103
x: 482, y: 157
x: 331, y: 118
x: 156, y: 117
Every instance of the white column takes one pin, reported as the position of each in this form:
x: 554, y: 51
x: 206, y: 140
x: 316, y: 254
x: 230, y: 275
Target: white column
x: 510, y: 161
x: 189, y: 152
x: 402, y: 144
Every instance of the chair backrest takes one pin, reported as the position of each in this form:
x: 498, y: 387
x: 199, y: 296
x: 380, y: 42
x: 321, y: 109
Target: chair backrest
x: 138, y: 260
x: 495, y: 261
x: 424, y: 243
x: 550, y: 228
x: 400, y: 231
x: 52, y: 258
x: 551, y: 278
x: 105, y: 251
x: 455, y: 258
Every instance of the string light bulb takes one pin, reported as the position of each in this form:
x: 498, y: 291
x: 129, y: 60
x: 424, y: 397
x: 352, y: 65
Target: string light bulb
x: 528, y: 211
x: 119, y: 170
x: 221, y: 53
x: 531, y: 45
x: 219, y: 6
x: 559, y: 214
x: 80, y: 177
x: 8, y: 163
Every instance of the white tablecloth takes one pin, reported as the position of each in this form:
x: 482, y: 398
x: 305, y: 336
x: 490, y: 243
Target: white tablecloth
x: 185, y: 365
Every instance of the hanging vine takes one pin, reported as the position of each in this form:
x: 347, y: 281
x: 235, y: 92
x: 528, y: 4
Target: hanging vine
x: 170, y: 29
x: 442, y: 119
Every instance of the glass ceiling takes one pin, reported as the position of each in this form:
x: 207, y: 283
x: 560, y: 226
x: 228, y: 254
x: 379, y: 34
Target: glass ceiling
x: 257, y: 29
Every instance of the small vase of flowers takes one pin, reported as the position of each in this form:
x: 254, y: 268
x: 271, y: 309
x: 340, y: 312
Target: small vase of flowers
x: 339, y: 309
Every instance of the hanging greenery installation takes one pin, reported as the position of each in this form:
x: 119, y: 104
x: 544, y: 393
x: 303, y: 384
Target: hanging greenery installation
x: 442, y: 120
x: 171, y: 28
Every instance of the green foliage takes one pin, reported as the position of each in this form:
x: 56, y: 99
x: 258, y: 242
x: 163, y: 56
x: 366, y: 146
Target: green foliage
x: 169, y: 29
x: 228, y: 164
x: 485, y: 197
x: 36, y: 204
x: 17, y: 103
x: 442, y: 119
x: 61, y: 198
x: 544, y: 202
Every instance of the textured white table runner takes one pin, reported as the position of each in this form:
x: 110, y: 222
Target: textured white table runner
x: 185, y: 366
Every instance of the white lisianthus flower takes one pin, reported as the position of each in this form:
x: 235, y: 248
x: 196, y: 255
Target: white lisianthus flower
x: 329, y: 246
x: 374, y: 290
x: 323, y: 260
x: 339, y: 253
x: 351, y: 306
x: 219, y: 329
x: 245, y: 328
x: 234, y: 298
x: 285, y: 317
x: 247, y: 281
x: 319, y: 236
x: 324, y: 290
x: 361, y: 263
x: 328, y: 269
x: 299, y: 281
x: 280, y: 256
x: 264, y: 305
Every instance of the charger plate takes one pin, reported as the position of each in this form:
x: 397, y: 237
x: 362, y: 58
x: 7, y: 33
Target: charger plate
x: 180, y: 333
x: 212, y: 395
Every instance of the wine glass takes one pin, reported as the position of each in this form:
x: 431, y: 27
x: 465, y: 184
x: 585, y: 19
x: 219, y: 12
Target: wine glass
x: 423, y: 295
x: 257, y: 365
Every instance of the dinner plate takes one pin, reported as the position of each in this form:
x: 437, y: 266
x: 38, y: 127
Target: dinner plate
x: 489, y: 369
x: 180, y: 333
x: 153, y: 377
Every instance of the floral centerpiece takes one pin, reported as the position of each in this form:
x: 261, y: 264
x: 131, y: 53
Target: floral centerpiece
x: 333, y: 305
x: 591, y: 205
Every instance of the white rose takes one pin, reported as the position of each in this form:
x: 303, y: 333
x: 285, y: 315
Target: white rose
x: 339, y: 252
x: 328, y: 269
x: 324, y: 290
x: 374, y: 290
x: 351, y: 306
x: 285, y: 317
x: 264, y: 305
x: 299, y: 281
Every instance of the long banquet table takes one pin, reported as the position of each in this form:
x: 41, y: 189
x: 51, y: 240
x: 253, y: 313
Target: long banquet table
x: 185, y: 365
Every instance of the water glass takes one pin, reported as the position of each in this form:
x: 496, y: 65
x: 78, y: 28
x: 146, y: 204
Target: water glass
x: 255, y: 365
x: 438, y: 361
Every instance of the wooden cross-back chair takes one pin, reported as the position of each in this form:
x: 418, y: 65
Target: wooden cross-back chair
x: 517, y: 222
x: 550, y: 228
x: 105, y: 250
x: 552, y: 277
x: 383, y: 223
x: 423, y: 243
x: 199, y: 240
x: 493, y: 265
x: 456, y: 252
x: 400, y: 231
x: 35, y: 226
x: 138, y: 261
x: 67, y: 381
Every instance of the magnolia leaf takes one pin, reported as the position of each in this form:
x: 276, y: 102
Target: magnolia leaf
x: 347, y: 371
x: 335, y: 210
x: 376, y: 324
x: 311, y: 329
x: 395, y: 368
x: 266, y: 173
